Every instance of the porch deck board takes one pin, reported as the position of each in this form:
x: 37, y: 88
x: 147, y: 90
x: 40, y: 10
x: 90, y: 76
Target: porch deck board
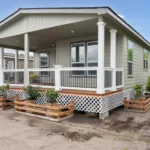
x: 78, y: 91
x: 89, y: 92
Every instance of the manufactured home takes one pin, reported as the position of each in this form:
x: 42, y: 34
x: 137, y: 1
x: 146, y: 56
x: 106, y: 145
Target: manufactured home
x: 88, y: 54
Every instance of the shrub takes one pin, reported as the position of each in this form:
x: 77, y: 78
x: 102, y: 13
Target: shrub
x: 138, y: 90
x: 3, y: 89
x: 52, y: 96
x: 148, y: 85
x: 32, y: 92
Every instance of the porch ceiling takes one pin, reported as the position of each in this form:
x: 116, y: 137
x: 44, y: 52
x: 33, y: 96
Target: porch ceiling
x: 43, y: 39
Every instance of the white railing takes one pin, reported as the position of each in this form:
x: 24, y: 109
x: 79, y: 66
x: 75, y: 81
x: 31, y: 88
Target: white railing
x: 80, y: 78
x: 45, y: 77
x: 14, y: 77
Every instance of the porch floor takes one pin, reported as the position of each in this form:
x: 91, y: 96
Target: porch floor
x: 89, y: 92
x: 78, y: 91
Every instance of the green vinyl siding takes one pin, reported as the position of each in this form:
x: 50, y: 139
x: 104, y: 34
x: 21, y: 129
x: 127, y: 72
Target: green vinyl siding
x: 139, y: 74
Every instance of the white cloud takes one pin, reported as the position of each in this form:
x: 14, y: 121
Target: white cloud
x: 121, y: 16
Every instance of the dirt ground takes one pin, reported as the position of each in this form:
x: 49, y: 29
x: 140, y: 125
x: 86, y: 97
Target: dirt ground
x: 121, y: 131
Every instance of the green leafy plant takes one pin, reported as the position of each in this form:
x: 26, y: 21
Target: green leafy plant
x: 3, y: 89
x: 148, y: 85
x: 138, y: 90
x: 33, y: 77
x: 32, y: 92
x: 52, y: 96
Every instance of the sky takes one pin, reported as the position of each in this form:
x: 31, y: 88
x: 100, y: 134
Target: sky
x: 135, y: 12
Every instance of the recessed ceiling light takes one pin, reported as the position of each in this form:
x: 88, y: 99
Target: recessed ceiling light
x: 33, y: 47
x: 17, y: 41
x: 72, y: 31
x: 53, y: 45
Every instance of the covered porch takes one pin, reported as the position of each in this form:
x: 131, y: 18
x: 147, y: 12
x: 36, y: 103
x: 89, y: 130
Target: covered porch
x: 85, y: 55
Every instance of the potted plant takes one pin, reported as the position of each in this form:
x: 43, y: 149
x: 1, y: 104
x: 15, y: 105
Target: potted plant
x: 33, y: 77
x: 51, y: 96
x: 32, y: 93
x: 3, y: 90
x: 138, y: 91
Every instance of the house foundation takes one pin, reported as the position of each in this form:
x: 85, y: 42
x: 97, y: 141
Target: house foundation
x: 88, y: 102
x: 104, y: 115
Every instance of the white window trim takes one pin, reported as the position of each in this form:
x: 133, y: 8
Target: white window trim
x: 131, y: 75
x: 130, y: 62
x: 145, y: 69
x: 71, y: 54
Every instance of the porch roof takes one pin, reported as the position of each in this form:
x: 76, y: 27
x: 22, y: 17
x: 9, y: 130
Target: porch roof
x: 105, y: 11
x: 75, y: 10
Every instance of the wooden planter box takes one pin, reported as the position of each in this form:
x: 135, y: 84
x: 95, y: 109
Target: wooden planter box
x: 54, y: 112
x: 7, y: 103
x: 137, y: 105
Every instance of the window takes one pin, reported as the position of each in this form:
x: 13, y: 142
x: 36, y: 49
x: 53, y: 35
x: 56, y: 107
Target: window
x: 145, y: 60
x: 92, y: 56
x: 44, y: 62
x: 130, y: 58
x: 80, y: 51
x: 78, y: 57
x: 9, y: 63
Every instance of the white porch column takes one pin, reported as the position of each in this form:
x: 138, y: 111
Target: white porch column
x: 101, y: 45
x: 16, y: 67
x: 57, y: 77
x: 1, y: 65
x: 113, y: 57
x: 26, y: 59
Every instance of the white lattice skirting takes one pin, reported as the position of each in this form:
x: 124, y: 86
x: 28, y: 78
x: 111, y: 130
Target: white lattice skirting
x: 87, y: 103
